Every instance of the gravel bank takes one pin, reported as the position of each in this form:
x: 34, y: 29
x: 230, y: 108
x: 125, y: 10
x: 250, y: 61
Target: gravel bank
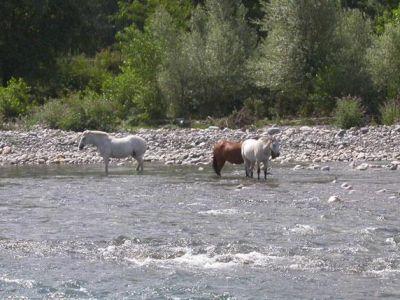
x: 304, y: 145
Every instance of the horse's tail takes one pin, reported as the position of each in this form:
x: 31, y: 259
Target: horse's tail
x: 215, y: 166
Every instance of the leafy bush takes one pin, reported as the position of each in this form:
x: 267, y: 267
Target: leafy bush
x: 241, y: 118
x: 109, y: 60
x: 80, y: 72
x: 349, y: 112
x: 79, y: 111
x: 390, y: 112
x: 256, y: 106
x: 14, y: 99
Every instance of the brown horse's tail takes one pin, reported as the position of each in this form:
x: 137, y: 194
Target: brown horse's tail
x: 215, y: 166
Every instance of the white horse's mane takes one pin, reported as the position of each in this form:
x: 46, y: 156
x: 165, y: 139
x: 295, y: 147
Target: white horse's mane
x: 267, y: 139
x: 95, y: 132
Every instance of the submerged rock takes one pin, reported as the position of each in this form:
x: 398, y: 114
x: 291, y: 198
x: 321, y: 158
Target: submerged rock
x: 346, y: 186
x: 363, y: 167
x: 334, y: 198
x: 297, y: 167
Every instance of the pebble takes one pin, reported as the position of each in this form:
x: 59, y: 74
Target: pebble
x: 334, y: 198
x: 6, y: 150
x: 363, y: 167
x: 346, y: 186
x: 364, y: 130
x: 325, y: 168
x: 313, y: 167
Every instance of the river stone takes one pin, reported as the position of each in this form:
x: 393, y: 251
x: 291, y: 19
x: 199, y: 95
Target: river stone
x: 363, y: 167
x: 364, y: 130
x: 334, y: 198
x: 297, y: 167
x: 346, y: 186
x: 341, y: 133
x: 325, y: 168
x: 6, y: 150
x: 313, y: 167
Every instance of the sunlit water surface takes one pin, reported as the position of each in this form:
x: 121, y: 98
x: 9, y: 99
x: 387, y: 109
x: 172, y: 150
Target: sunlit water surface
x: 179, y: 232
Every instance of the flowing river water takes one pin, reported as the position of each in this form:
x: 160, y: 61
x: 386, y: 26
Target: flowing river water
x: 177, y: 232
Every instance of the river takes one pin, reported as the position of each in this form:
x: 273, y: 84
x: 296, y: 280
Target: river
x: 177, y: 232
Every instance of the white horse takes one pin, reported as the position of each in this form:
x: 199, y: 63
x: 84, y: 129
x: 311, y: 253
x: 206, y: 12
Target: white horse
x: 112, y: 147
x: 259, y: 151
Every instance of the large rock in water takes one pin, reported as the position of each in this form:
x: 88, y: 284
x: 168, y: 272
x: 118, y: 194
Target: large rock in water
x: 363, y: 167
x: 334, y: 198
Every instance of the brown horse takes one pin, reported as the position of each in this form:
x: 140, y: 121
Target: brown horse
x: 226, y: 151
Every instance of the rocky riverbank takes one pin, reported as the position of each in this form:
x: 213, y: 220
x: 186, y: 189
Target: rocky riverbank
x: 303, y: 145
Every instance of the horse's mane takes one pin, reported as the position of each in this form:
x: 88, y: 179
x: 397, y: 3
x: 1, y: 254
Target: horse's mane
x: 266, y: 139
x: 96, y: 132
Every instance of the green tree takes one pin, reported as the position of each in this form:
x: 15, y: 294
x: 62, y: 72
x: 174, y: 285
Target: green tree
x: 384, y: 61
x: 346, y: 72
x: 137, y: 12
x: 34, y: 33
x: 372, y: 8
x: 206, y: 75
x: 298, y: 45
x: 136, y: 89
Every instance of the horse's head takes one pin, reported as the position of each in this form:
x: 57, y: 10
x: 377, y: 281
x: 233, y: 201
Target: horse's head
x: 83, y: 141
x: 274, y: 146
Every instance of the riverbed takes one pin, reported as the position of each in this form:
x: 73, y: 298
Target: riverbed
x: 180, y: 232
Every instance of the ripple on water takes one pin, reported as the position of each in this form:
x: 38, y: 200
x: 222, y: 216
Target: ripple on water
x: 219, y: 212
x: 26, y: 283
x: 303, y: 229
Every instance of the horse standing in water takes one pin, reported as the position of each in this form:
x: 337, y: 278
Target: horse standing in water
x: 226, y: 151
x: 259, y: 151
x: 112, y: 147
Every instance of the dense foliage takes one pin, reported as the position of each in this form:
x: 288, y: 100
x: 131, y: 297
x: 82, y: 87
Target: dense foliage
x: 99, y: 64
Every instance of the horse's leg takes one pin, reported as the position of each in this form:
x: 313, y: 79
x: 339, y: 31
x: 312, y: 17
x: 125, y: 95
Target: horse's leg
x: 258, y: 170
x: 251, y: 169
x: 140, y: 164
x: 106, y: 161
x: 246, y: 167
x: 221, y: 164
x: 265, y: 169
